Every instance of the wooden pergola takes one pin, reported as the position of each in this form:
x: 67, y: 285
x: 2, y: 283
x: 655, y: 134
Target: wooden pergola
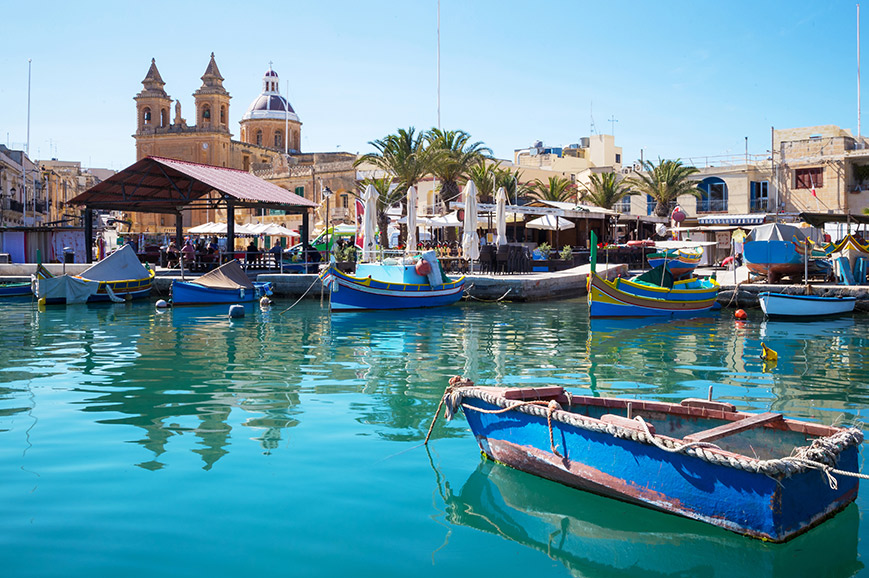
x: 169, y: 186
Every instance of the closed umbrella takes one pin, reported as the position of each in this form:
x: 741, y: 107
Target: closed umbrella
x: 369, y: 244
x: 470, y: 239
x: 411, y: 219
x: 501, y: 216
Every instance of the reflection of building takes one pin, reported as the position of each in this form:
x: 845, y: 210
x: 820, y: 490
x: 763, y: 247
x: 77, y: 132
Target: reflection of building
x: 269, y: 147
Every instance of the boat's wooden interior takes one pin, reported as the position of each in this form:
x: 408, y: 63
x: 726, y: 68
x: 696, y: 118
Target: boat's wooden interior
x: 762, y: 436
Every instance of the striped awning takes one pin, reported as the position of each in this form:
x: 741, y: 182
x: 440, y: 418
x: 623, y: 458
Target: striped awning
x: 750, y: 219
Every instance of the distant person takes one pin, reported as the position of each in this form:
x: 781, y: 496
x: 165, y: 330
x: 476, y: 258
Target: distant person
x: 277, y: 252
x: 172, y: 255
x: 188, y: 252
x: 252, y: 253
x: 312, y: 258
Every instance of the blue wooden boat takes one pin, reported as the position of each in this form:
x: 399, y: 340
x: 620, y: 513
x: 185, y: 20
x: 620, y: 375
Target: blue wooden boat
x: 680, y: 262
x: 226, y: 284
x: 15, y: 289
x: 641, y: 298
x: 391, y: 284
x: 804, y: 306
x: 755, y: 474
x: 776, y: 250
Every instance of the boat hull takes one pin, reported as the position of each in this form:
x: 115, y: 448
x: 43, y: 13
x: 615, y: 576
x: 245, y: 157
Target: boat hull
x: 126, y: 289
x: 802, y: 306
x: 625, y: 299
x: 351, y: 293
x: 769, y: 507
x: 15, y: 290
x: 186, y: 293
x: 679, y: 263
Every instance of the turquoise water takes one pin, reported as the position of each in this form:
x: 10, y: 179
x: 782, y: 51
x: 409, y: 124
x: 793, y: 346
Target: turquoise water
x: 142, y: 443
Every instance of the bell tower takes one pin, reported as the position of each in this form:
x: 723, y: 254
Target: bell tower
x: 212, y: 101
x: 152, y: 108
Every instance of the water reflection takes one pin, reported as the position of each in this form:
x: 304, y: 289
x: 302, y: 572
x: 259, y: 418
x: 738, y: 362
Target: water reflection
x: 595, y: 536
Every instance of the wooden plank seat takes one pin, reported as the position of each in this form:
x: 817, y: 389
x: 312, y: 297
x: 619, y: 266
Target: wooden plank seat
x: 708, y: 404
x: 531, y: 393
x: 733, y: 427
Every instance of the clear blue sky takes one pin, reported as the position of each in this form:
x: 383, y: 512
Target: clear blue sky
x: 682, y: 79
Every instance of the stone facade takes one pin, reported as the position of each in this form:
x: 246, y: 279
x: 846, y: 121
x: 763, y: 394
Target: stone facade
x: 260, y: 150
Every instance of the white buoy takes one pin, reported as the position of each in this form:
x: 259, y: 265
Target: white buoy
x: 161, y: 304
x: 265, y: 302
x: 236, y: 311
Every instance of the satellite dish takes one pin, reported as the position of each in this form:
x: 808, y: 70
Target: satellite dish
x: 661, y: 230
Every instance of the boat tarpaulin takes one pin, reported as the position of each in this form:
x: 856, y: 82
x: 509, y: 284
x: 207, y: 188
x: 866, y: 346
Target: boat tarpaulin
x: 227, y: 276
x: 776, y: 232
x: 121, y: 265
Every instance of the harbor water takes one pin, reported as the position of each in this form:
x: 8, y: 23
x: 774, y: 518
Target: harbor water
x: 137, y: 442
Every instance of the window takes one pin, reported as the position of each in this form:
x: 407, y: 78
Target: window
x: 759, y: 202
x: 164, y: 117
x: 279, y: 139
x: 713, y: 196
x: 300, y: 191
x: 245, y: 163
x: 206, y: 114
x: 222, y: 115
x: 650, y: 204
x: 259, y: 137
x: 345, y: 201
x: 147, y: 116
x: 809, y: 178
x: 618, y: 159
x: 624, y: 205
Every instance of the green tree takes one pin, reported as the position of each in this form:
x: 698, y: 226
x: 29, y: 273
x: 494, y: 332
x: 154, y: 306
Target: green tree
x: 605, y: 191
x: 557, y: 189
x: 512, y: 183
x: 483, y: 175
x: 453, y: 155
x: 665, y: 183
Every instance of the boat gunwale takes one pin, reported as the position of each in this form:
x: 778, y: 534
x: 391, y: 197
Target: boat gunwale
x: 366, y: 281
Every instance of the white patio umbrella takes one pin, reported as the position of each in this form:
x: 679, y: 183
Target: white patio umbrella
x: 202, y: 229
x: 411, y: 219
x: 501, y: 217
x: 369, y: 197
x: 470, y: 239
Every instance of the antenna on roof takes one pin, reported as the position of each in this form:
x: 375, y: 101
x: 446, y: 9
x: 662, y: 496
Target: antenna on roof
x: 591, y: 129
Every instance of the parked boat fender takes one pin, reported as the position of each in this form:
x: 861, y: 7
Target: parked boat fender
x: 241, y: 293
x: 741, y: 314
x: 236, y: 311
x: 161, y: 304
x: 423, y: 267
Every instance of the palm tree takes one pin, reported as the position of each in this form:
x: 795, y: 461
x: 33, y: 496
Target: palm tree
x: 512, y: 183
x: 452, y: 157
x: 389, y: 195
x: 605, y: 191
x: 483, y: 175
x: 557, y: 189
x: 665, y: 183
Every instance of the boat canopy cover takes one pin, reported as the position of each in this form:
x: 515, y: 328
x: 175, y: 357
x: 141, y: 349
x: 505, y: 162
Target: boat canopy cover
x: 659, y: 276
x: 121, y: 265
x: 227, y: 276
x: 776, y: 232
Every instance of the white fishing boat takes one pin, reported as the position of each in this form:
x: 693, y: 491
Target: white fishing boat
x: 802, y: 306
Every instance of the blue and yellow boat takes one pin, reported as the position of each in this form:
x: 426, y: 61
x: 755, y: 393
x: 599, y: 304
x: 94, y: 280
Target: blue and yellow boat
x: 643, y: 297
x: 391, y: 284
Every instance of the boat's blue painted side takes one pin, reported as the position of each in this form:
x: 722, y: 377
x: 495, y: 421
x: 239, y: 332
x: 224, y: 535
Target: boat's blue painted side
x: 804, y: 306
x: 15, y: 289
x: 693, y: 289
x: 773, y: 508
x: 355, y: 293
x: 187, y: 293
x: 610, y: 299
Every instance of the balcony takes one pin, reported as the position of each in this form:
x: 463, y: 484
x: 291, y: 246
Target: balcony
x: 711, y: 206
x: 759, y: 206
x: 16, y: 206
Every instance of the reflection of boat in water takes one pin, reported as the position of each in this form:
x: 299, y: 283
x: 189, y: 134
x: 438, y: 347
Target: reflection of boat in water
x: 614, y: 326
x: 755, y: 474
x: 591, y: 535
x: 814, y: 329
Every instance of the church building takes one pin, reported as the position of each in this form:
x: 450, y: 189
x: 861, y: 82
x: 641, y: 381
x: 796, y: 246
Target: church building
x: 270, y: 147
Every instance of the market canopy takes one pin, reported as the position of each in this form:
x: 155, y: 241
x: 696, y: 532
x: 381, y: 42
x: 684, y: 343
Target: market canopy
x: 820, y: 219
x: 161, y: 185
x: 550, y: 223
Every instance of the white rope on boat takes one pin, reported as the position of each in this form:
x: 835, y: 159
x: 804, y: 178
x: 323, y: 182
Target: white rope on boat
x: 112, y: 296
x: 822, y: 454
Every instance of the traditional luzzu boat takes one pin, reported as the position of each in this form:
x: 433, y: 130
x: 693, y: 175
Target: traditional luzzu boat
x: 226, y: 284
x: 649, y: 295
x: 119, y: 277
x: 760, y: 475
x: 402, y: 283
x: 777, y: 250
x: 803, y: 306
x: 680, y: 262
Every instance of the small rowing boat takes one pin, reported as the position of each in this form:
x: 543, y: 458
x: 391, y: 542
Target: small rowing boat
x: 15, y: 289
x: 226, y: 284
x: 802, y: 306
x: 760, y: 475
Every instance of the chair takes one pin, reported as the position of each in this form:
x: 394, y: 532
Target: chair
x: 487, y: 259
x: 502, y: 258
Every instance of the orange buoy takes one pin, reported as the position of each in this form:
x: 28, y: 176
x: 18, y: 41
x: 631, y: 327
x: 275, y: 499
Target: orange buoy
x: 741, y: 314
x: 423, y: 267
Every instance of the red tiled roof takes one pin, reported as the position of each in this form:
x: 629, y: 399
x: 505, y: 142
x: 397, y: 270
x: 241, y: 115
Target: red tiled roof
x: 158, y: 185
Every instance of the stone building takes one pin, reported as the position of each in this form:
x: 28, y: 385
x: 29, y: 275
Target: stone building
x: 270, y: 147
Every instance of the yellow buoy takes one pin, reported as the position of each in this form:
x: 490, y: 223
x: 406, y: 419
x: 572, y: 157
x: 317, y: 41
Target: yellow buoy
x: 768, y: 354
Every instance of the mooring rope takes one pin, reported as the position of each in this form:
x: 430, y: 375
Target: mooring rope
x: 302, y: 297
x: 501, y: 298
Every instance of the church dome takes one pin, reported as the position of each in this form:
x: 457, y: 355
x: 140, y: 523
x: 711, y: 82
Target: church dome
x: 270, y: 104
